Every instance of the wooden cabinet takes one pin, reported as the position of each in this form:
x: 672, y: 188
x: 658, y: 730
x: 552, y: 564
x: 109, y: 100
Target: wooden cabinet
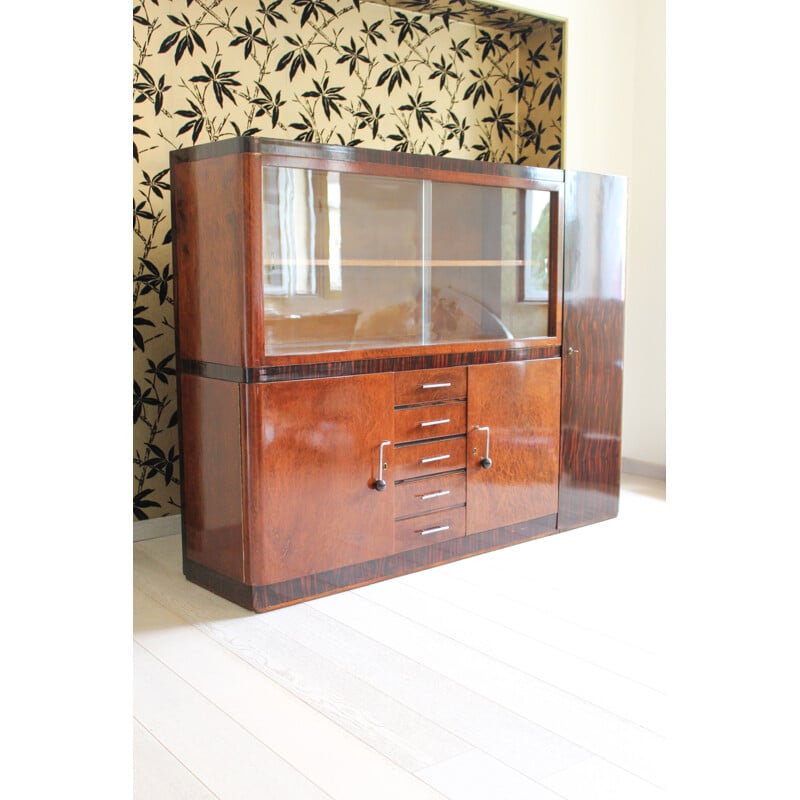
x: 372, y: 378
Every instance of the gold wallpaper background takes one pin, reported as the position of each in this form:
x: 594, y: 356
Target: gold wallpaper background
x: 457, y: 79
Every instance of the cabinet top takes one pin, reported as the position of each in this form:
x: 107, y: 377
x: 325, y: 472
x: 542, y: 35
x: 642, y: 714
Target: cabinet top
x: 358, y: 155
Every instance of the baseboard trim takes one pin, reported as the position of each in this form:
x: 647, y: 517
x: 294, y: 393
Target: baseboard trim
x: 156, y: 528
x: 644, y: 468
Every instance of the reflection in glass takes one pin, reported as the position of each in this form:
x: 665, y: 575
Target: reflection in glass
x: 362, y: 261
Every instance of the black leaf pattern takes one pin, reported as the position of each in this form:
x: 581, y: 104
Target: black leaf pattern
x: 458, y: 79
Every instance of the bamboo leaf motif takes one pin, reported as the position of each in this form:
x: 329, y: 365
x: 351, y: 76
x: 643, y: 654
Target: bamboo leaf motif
x: 221, y: 82
x: 443, y: 78
x: 249, y: 37
x: 408, y: 27
x: 330, y: 96
x: 423, y: 109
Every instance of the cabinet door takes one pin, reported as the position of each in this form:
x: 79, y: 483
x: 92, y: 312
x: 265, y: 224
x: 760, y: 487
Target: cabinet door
x: 594, y: 268
x: 312, y: 457
x: 519, y: 405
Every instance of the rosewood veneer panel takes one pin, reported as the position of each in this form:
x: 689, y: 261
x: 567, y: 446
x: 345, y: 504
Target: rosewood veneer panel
x: 591, y: 426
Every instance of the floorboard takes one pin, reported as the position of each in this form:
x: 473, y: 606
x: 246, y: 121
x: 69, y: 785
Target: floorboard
x: 533, y: 672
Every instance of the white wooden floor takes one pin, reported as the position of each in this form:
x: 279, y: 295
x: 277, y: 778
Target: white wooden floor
x: 534, y: 672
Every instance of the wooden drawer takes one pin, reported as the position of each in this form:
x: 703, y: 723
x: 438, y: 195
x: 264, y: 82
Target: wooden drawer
x: 428, y: 458
x: 429, y: 494
x: 443, y: 525
x: 428, y: 422
x: 430, y: 386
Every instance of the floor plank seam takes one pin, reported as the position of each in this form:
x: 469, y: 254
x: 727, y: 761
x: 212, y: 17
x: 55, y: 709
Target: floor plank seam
x: 566, y: 620
x: 198, y: 627
x: 518, y: 632
x: 510, y: 710
x: 222, y: 710
x: 180, y: 761
x: 517, y: 669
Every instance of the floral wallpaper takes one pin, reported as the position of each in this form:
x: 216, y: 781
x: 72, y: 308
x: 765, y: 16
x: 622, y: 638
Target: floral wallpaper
x: 457, y: 79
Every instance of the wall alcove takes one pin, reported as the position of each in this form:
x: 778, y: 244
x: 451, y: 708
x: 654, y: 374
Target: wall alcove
x: 457, y: 79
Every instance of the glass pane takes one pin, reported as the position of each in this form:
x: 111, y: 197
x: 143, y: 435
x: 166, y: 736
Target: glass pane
x: 342, y: 260
x: 490, y: 254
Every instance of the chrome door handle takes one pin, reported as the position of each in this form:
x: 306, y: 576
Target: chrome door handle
x: 434, y: 422
x: 380, y: 484
x: 571, y: 351
x: 436, y: 385
x: 485, y: 462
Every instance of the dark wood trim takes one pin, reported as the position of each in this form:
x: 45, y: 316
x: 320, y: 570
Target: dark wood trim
x: 271, y: 596
x: 340, y: 157
x: 362, y: 366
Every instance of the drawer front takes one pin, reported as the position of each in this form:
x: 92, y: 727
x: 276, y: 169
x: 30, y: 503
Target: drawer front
x: 429, y: 529
x: 430, y: 386
x: 428, y: 458
x: 428, y: 422
x: 430, y: 494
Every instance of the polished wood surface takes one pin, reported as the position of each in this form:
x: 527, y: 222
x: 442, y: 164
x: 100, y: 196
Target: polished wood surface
x: 217, y: 250
x: 211, y: 476
x: 428, y: 494
x: 334, y: 365
x: 591, y: 435
x: 520, y: 405
x: 429, y: 422
x: 311, y: 462
x: 422, y: 531
x: 351, y: 159
x: 429, y: 386
x: 428, y: 458
x: 281, y: 451
x: 217, y: 256
x: 271, y: 596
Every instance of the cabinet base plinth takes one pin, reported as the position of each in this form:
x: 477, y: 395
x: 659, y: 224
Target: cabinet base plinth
x: 275, y: 595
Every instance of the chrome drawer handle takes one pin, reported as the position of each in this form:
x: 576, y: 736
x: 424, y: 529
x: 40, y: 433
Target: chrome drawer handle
x: 434, y: 530
x: 431, y: 459
x: 434, y: 494
x: 380, y: 484
x: 485, y: 462
x: 436, y: 385
x: 434, y: 422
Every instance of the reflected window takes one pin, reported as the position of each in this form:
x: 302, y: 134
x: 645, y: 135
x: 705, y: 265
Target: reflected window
x: 536, y: 248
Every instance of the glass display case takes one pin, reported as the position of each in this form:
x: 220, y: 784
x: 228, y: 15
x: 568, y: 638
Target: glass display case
x: 379, y: 366
x: 354, y: 261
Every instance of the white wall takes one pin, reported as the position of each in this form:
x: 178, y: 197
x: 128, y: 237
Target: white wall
x: 614, y: 122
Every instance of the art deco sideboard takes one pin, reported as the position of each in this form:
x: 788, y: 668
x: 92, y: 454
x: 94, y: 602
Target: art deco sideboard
x: 388, y: 361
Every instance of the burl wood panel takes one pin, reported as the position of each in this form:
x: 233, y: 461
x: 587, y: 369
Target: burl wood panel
x: 216, y: 242
x: 594, y: 269
x: 430, y: 385
x: 441, y: 526
x: 427, y: 458
x: 429, y: 422
x: 429, y: 494
x: 211, y: 477
x: 520, y: 405
x: 312, y: 458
